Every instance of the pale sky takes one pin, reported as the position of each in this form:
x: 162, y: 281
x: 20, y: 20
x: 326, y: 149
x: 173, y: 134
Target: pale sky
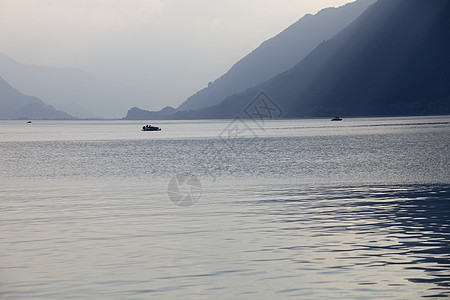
x: 172, y: 47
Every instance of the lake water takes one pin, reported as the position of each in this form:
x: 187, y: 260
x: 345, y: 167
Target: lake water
x: 307, y: 209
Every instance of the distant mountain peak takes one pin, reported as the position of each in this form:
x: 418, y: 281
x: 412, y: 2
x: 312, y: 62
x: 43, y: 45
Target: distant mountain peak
x: 392, y: 60
x: 76, y: 91
x: 15, y: 105
x: 135, y: 113
x: 277, y: 54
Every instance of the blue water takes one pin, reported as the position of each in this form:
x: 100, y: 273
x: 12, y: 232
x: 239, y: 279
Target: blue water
x: 292, y: 209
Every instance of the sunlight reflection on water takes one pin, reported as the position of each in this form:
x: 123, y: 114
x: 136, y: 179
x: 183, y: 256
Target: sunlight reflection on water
x: 321, y: 241
x: 361, y: 212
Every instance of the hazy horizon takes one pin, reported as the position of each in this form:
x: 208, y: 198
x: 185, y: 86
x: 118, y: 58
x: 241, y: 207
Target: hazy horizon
x: 150, y: 44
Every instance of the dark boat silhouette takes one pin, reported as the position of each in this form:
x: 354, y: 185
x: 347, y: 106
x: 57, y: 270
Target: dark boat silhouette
x: 336, y: 118
x: 150, y: 128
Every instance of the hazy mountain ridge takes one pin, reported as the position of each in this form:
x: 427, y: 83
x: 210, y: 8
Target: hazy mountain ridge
x: 277, y: 54
x: 75, y: 91
x: 393, y: 60
x: 136, y: 113
x: 15, y: 105
x: 272, y: 57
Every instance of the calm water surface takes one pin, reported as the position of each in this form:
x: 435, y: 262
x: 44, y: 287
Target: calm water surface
x: 307, y: 209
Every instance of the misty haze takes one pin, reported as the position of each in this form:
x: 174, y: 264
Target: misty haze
x: 236, y: 149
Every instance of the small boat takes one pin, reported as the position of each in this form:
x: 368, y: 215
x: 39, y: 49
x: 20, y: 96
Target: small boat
x: 336, y: 118
x: 29, y: 122
x: 150, y: 128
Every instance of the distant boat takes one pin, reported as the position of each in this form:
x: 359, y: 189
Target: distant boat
x: 150, y: 128
x: 29, y: 122
x: 336, y: 118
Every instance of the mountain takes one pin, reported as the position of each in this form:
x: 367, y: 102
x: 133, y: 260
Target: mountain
x: 15, y: 105
x: 278, y: 54
x: 72, y: 90
x: 392, y: 60
x: 136, y: 113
